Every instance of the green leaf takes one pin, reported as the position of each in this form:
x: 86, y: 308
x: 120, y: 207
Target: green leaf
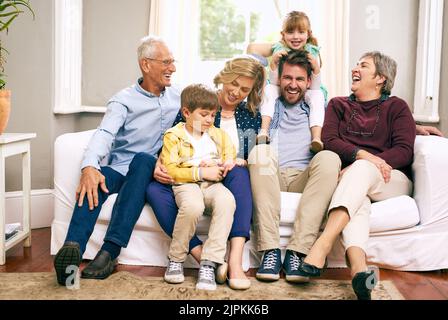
x: 9, y: 10
x: 7, y: 23
x: 2, y: 82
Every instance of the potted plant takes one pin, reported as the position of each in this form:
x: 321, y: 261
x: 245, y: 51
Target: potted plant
x: 9, y: 10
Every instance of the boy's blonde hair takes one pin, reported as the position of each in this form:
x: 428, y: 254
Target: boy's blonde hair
x: 199, y: 96
x: 248, y: 67
x: 299, y: 20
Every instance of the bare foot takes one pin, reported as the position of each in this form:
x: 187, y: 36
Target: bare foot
x: 318, y: 253
x: 236, y: 271
x: 237, y: 277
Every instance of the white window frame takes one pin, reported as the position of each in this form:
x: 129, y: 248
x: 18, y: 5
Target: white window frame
x: 68, y: 59
x: 429, y: 53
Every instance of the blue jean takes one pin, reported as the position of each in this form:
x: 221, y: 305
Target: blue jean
x: 127, y: 207
x: 161, y: 199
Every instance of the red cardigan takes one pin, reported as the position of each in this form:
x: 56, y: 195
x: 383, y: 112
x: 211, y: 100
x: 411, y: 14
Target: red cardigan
x: 383, y: 127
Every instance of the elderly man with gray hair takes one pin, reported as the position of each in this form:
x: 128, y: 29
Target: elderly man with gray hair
x: 130, y: 134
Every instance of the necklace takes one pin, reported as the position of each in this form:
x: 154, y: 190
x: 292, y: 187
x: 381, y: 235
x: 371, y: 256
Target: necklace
x: 232, y: 115
x: 353, y: 118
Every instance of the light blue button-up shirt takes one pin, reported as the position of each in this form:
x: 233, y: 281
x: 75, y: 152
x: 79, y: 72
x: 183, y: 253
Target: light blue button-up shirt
x: 135, y: 121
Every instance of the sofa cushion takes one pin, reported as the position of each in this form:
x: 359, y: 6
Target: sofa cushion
x: 394, y: 214
x: 147, y: 220
x: 391, y: 214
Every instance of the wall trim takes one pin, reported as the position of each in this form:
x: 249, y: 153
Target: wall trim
x: 80, y: 109
x: 41, y: 207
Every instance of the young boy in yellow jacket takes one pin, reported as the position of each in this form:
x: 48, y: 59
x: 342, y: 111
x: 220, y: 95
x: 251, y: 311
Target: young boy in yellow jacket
x: 197, y: 156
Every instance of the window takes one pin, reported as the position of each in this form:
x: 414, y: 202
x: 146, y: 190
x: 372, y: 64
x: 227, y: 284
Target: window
x: 429, y: 51
x: 223, y: 38
x: 205, y: 33
x: 68, y: 58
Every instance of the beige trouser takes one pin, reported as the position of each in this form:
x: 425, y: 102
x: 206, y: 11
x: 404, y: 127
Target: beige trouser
x: 192, y: 199
x: 316, y: 183
x: 361, y: 183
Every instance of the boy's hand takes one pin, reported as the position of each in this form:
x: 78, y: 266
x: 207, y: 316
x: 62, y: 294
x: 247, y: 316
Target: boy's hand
x: 212, y: 173
x: 314, y: 63
x: 208, y: 163
x: 276, y: 58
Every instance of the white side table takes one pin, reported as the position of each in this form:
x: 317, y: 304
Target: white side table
x: 13, y: 144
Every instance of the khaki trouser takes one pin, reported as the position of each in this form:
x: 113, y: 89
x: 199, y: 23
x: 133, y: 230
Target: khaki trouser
x: 316, y: 183
x: 192, y: 199
x: 361, y: 183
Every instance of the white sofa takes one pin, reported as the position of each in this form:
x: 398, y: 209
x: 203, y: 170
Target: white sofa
x: 405, y: 234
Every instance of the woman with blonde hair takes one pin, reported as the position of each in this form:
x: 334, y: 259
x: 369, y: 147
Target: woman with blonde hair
x: 240, y: 89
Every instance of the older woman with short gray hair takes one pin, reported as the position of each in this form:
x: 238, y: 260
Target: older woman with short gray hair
x: 374, y: 134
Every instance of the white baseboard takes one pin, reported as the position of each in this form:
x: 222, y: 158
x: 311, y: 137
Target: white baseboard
x: 41, y: 207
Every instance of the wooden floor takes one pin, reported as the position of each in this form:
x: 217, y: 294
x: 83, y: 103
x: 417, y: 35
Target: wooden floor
x: 412, y: 285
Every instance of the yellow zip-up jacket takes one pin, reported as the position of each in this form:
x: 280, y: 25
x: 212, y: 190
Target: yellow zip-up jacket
x: 177, y: 151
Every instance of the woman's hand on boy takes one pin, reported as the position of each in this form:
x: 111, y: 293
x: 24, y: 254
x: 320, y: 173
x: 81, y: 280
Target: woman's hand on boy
x: 240, y: 162
x: 228, y: 165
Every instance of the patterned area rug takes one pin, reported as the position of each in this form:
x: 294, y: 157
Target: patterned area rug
x: 127, y: 286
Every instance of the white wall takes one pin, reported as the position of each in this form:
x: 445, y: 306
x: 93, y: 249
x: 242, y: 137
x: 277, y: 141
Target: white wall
x: 389, y: 27
x: 111, y: 32
x: 111, y: 35
x: 29, y: 76
x: 110, y: 40
x: 443, y: 100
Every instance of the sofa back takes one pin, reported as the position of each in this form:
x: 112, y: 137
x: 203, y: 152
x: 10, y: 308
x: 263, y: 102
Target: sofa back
x: 430, y: 169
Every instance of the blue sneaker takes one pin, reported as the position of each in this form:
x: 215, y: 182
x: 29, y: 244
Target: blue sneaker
x: 291, y: 265
x: 270, y: 266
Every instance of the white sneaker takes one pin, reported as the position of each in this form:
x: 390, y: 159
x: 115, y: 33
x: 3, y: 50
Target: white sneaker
x: 174, y: 272
x: 206, y: 279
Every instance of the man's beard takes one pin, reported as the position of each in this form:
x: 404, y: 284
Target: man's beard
x: 299, y: 96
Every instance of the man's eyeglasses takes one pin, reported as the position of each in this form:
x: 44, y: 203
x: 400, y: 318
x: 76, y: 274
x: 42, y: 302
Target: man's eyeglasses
x: 165, y: 62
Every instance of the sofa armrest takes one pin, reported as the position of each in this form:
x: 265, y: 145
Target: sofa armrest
x: 431, y: 177
x: 69, y: 149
